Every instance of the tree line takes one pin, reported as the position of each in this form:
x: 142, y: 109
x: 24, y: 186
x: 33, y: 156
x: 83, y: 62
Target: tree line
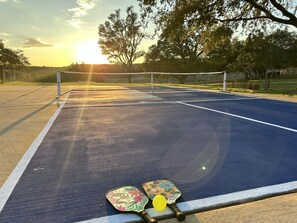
x: 199, y: 35
x: 195, y: 36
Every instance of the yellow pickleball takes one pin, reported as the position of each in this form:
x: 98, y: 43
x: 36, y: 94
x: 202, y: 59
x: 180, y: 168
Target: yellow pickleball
x: 159, y: 202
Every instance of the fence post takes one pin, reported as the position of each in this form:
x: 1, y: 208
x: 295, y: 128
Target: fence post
x: 224, y: 84
x: 58, y: 84
x: 2, y: 74
x: 152, y: 83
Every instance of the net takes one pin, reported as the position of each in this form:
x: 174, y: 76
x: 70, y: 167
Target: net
x: 148, y: 82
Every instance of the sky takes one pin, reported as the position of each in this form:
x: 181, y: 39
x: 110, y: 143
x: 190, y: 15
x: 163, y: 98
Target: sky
x: 58, y: 32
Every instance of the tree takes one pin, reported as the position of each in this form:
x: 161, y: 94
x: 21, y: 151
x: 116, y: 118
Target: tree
x: 175, y: 52
x: 120, y: 38
x: 254, y: 57
x: 260, y: 54
x: 234, y: 12
x: 183, y: 46
x: 168, y: 57
x: 283, y: 48
x: 76, y: 67
x: 216, y: 42
x: 190, y: 50
x: 11, y: 59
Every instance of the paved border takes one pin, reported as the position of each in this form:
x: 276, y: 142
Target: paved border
x: 12, y: 180
x: 206, y: 203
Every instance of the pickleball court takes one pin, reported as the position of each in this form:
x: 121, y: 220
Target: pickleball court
x: 218, y: 148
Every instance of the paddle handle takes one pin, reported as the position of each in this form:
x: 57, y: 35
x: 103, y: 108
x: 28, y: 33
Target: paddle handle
x: 178, y: 213
x: 145, y: 216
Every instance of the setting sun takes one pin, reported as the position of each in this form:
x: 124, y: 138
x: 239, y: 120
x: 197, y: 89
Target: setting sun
x: 89, y: 53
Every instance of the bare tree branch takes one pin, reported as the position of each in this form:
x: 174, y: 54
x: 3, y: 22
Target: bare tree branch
x: 284, y: 11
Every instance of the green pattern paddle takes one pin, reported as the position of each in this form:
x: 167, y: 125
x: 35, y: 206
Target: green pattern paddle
x: 169, y: 191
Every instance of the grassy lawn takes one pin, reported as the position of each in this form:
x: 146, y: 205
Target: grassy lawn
x: 285, y: 86
x: 28, y: 83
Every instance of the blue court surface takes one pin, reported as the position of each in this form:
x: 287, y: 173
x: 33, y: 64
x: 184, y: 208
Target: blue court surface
x: 217, y: 148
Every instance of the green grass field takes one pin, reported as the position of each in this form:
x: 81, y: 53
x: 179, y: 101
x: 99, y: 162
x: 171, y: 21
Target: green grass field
x: 285, y: 86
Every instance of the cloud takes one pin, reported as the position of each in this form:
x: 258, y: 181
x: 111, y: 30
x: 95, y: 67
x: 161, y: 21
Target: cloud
x: 14, y: 1
x: 82, y: 7
x: 3, y: 37
x: 4, y: 34
x: 33, y: 42
x: 5, y: 41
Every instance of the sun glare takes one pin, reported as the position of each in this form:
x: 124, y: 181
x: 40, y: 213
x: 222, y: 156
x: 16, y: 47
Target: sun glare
x: 88, y: 52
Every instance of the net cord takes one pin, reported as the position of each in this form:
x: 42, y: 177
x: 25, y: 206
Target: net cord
x: 140, y: 73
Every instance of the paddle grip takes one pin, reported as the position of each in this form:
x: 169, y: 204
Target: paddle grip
x: 178, y: 213
x: 148, y: 219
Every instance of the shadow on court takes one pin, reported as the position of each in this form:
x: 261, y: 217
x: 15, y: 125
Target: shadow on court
x: 20, y: 121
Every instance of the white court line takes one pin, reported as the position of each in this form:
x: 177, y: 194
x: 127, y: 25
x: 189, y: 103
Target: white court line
x: 171, y: 92
x: 18, y: 171
x: 238, y: 116
x: 205, y: 203
x: 98, y: 103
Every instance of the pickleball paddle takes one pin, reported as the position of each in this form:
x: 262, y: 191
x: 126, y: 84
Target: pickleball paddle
x: 169, y: 191
x: 129, y: 199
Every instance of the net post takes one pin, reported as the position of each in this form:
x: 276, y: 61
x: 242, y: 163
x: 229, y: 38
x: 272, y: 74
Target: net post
x: 152, y: 83
x: 58, y: 84
x: 224, y: 82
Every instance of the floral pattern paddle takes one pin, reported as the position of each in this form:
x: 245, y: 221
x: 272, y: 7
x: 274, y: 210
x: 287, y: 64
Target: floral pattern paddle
x: 129, y: 199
